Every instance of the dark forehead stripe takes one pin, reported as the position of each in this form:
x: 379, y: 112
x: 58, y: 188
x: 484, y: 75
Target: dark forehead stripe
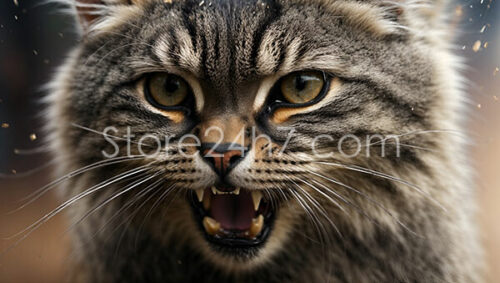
x: 227, y: 34
x: 274, y: 15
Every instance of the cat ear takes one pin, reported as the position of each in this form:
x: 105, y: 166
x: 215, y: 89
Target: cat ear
x: 88, y: 11
x: 417, y: 14
x: 91, y: 11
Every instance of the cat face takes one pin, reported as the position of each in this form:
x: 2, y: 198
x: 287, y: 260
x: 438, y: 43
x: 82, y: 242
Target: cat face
x: 244, y: 104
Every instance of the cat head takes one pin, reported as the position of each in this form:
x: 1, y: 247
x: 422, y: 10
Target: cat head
x: 257, y: 121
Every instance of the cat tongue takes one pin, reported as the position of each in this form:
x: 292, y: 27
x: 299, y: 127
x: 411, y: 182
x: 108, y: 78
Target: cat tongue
x: 233, y: 212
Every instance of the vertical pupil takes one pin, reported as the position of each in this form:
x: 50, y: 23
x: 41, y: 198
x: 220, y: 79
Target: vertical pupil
x: 172, y: 84
x: 300, y: 83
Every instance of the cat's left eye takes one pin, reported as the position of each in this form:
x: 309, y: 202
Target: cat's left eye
x: 302, y: 87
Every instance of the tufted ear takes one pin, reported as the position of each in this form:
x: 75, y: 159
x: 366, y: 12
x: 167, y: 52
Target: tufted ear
x: 90, y: 12
x: 418, y: 14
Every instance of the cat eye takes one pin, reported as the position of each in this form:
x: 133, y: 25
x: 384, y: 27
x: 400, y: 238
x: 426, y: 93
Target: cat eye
x: 302, y: 87
x: 166, y: 91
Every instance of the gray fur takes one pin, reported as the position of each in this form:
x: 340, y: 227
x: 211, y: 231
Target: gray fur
x: 419, y: 228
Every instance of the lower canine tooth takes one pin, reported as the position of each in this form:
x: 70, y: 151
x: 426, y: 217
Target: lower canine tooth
x: 199, y: 194
x: 214, y: 190
x: 256, y: 227
x: 211, y: 225
x: 256, y: 197
x: 237, y: 191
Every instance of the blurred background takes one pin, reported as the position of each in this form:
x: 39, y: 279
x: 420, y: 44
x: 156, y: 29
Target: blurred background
x: 34, y: 40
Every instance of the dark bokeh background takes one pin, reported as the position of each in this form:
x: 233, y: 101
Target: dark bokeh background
x: 34, y: 40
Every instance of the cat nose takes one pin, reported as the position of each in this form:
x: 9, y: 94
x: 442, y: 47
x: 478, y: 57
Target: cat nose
x: 223, y: 157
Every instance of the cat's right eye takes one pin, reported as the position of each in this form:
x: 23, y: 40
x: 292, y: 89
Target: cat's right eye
x: 167, y: 91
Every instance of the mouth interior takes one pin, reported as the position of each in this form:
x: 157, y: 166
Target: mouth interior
x: 233, y: 217
x: 233, y: 212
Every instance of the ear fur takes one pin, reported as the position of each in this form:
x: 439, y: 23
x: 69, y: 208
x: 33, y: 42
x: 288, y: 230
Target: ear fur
x: 88, y: 11
x: 91, y: 11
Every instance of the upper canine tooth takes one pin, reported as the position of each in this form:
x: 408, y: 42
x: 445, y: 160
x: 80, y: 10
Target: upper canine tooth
x: 199, y: 194
x: 237, y: 191
x: 256, y: 197
x: 214, y: 190
x: 211, y: 225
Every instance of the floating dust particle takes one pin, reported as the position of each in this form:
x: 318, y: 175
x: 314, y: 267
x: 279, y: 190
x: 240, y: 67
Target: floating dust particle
x: 33, y: 137
x: 16, y: 151
x: 464, y: 47
x: 46, y: 61
x: 482, y: 29
x: 61, y: 35
x: 495, y: 97
x: 485, y: 45
x: 15, y: 17
x: 5, y: 125
x: 476, y: 46
x: 14, y: 171
x: 35, y: 52
x: 479, y: 106
x: 495, y: 72
x: 459, y: 11
x: 16, y: 3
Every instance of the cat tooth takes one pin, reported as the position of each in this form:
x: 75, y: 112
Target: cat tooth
x: 256, y: 197
x: 211, y: 225
x: 236, y: 192
x: 214, y: 190
x: 256, y: 227
x: 199, y: 194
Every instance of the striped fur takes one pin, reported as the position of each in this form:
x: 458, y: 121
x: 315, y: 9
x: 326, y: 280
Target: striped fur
x: 394, y: 75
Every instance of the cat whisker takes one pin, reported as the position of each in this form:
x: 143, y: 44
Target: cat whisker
x: 29, y: 172
x: 43, y: 190
x: 354, y: 206
x: 307, y: 209
x: 319, y: 208
x: 127, y: 205
x: 121, y: 192
x: 152, y: 208
x: 115, y: 137
x: 325, y: 195
x: 34, y: 226
x: 371, y: 200
x: 384, y: 176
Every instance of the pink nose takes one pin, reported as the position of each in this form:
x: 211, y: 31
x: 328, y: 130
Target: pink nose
x: 222, y: 161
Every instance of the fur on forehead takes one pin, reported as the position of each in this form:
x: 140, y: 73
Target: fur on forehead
x: 380, y: 17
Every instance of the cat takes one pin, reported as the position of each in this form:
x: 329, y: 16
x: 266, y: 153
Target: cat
x: 264, y: 141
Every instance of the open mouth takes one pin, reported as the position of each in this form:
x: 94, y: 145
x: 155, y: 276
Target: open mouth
x: 233, y: 218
